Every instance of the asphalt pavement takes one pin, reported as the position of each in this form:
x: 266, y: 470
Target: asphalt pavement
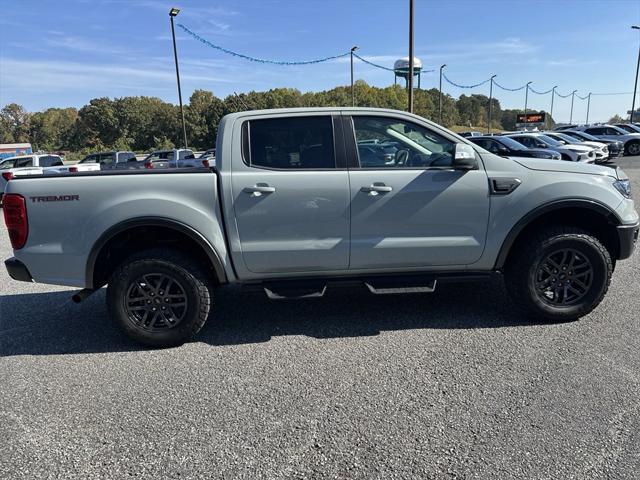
x: 452, y: 384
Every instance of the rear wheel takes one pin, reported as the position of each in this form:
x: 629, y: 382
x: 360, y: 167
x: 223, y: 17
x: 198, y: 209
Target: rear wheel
x: 159, y: 297
x: 562, y: 274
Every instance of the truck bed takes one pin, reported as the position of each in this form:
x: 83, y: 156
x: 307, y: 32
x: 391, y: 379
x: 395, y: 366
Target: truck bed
x: 69, y: 213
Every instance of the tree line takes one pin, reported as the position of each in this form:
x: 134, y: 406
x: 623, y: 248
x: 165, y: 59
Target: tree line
x: 146, y: 123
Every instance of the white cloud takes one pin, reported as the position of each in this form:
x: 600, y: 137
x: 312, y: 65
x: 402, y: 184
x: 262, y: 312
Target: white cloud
x: 29, y: 75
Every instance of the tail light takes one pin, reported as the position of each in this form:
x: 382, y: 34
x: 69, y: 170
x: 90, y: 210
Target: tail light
x: 205, y: 163
x: 73, y: 169
x: 7, y: 176
x: 15, y: 217
x: 148, y: 165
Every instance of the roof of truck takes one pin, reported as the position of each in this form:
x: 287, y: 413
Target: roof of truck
x: 302, y: 110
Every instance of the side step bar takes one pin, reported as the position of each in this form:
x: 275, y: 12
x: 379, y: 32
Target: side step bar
x: 294, y: 293
x: 378, y: 286
x: 387, y: 290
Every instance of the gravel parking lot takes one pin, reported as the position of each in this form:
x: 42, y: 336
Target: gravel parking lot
x: 446, y: 385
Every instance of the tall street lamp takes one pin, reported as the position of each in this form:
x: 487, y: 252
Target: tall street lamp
x: 410, y: 80
x: 353, y: 92
x: 573, y: 94
x: 440, y: 97
x: 172, y: 13
x: 635, y: 85
x: 490, y: 100
x: 526, y: 100
x: 588, y: 105
x: 553, y: 94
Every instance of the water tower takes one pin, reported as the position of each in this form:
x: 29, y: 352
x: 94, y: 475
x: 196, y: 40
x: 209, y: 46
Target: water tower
x: 401, y: 69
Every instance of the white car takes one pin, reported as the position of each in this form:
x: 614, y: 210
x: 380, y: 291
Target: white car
x: 37, y: 164
x: 571, y: 153
x: 601, y: 149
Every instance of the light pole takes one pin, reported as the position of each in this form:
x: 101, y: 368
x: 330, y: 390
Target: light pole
x: 353, y: 92
x: 172, y: 13
x: 490, y: 99
x: 573, y: 94
x: 440, y: 97
x: 635, y: 85
x: 410, y: 80
x: 526, y: 100
x: 588, y: 105
x: 553, y: 94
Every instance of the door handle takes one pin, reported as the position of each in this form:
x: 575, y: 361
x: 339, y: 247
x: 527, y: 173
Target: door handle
x: 376, y: 189
x: 258, y: 189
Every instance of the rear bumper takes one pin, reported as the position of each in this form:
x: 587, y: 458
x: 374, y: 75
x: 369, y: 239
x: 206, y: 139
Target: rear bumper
x: 18, y: 270
x: 627, y: 239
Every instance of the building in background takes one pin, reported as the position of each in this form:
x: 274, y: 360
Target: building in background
x: 12, y: 149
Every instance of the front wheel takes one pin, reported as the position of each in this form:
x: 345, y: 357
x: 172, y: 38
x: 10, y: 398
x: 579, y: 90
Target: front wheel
x: 633, y: 149
x: 159, y: 297
x: 560, y: 275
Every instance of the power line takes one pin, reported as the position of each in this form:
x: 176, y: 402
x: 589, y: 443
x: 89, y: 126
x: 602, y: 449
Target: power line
x: 368, y: 62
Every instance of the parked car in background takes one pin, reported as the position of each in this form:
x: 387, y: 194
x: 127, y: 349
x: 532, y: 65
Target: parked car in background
x: 113, y: 160
x: 470, y: 134
x: 600, y: 149
x: 176, y: 158
x: 628, y: 127
x: 631, y: 141
x: 572, y: 153
x: 210, y: 156
x: 508, y: 147
x: 616, y: 148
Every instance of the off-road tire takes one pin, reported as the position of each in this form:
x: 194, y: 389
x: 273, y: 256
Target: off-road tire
x: 192, y: 279
x: 523, y: 266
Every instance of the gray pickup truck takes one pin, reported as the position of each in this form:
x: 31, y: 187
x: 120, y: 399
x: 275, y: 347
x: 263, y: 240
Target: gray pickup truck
x: 292, y: 209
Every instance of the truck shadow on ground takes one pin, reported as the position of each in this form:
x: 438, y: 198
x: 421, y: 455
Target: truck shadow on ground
x: 49, y: 323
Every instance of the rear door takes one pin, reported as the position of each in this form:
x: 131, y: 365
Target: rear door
x: 291, y: 195
x: 414, y: 210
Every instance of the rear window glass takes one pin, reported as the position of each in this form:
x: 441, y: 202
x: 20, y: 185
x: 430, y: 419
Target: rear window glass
x: 293, y: 143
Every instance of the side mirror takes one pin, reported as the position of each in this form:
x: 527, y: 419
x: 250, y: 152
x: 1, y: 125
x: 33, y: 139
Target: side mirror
x: 464, y: 157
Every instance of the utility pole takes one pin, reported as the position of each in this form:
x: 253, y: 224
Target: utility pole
x: 490, y: 100
x: 635, y: 85
x: 553, y: 94
x: 526, y: 100
x: 410, y: 79
x: 440, y: 96
x: 571, y: 114
x: 353, y: 92
x: 588, y: 105
x: 172, y: 13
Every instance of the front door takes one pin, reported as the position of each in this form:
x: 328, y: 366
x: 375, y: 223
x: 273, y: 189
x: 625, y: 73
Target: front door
x: 291, y: 197
x: 408, y: 207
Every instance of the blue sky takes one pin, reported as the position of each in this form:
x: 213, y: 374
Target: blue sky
x: 65, y: 52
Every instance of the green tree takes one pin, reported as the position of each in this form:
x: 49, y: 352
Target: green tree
x: 202, y: 117
x: 616, y: 119
x: 53, y: 129
x: 14, y: 124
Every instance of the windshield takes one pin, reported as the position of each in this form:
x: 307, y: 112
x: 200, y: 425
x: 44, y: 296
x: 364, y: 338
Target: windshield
x: 581, y: 136
x: 628, y: 128
x: 565, y: 137
x: 165, y: 155
x: 6, y: 164
x: 511, y: 143
x: 620, y: 130
x: 548, y: 140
